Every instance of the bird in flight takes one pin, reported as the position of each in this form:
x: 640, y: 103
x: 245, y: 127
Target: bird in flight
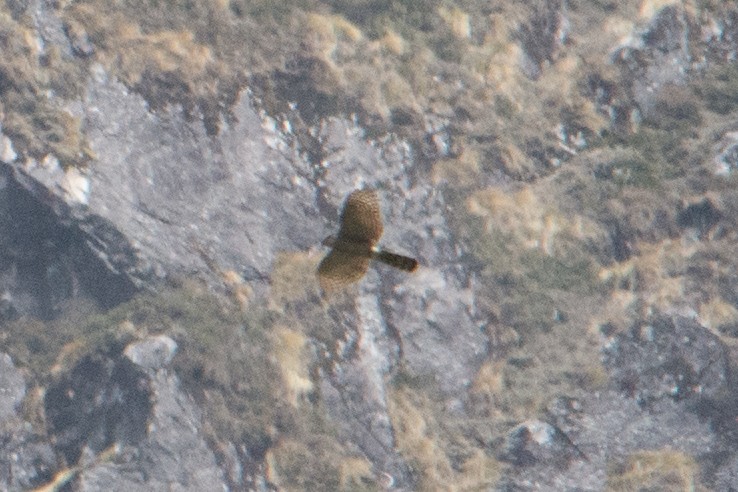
x: 355, y: 246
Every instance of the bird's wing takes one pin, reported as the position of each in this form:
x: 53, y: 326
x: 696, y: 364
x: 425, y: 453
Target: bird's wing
x: 339, y: 269
x: 361, y: 218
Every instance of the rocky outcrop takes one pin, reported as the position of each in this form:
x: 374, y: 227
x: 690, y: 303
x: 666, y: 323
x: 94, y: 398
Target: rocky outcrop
x: 166, y: 198
x: 162, y: 191
x: 667, y: 375
x: 174, y: 452
x: 26, y: 459
x: 134, y: 402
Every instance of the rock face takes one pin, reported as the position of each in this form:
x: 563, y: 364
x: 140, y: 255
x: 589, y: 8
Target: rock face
x: 174, y: 452
x: 12, y: 387
x: 164, y: 191
x: 101, y: 401
x: 134, y: 401
x: 26, y: 460
x: 669, y: 359
x: 48, y: 258
x: 165, y: 198
x: 666, y: 375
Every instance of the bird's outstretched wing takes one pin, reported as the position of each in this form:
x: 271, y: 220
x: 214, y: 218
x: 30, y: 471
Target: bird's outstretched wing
x: 340, y: 268
x: 361, y: 218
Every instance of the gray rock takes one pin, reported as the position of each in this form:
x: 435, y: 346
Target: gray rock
x: 162, y: 191
x: 12, y: 388
x: 26, y: 460
x: 440, y: 294
x: 7, y: 153
x: 170, y: 190
x: 153, y: 353
x: 542, y: 37
x: 608, y: 427
x: 106, y: 402
x: 668, y: 358
x: 394, y: 311
x: 102, y: 400
x: 173, y: 456
x: 659, y: 57
x: 664, y: 407
x: 355, y: 396
x: 535, y: 441
x: 45, y: 258
x: 726, y: 154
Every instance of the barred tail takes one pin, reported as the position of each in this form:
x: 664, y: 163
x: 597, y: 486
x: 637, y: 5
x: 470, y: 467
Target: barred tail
x: 398, y: 261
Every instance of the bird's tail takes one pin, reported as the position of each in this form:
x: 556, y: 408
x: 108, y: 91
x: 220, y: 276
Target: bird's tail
x: 398, y: 261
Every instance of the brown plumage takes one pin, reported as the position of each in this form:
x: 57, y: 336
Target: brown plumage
x: 355, y: 246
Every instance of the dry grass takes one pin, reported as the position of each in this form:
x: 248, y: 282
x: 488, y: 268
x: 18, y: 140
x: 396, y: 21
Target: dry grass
x: 132, y: 54
x: 656, y: 273
x: 561, y: 362
x: 458, y: 21
x: 424, y: 437
x: 718, y: 313
x: 250, y: 371
x: 291, y: 353
x: 655, y: 470
x: 33, y: 81
x: 463, y: 171
x: 649, y: 8
x: 294, y: 278
x: 426, y: 57
x: 317, y: 463
x: 536, y: 247
x: 529, y: 220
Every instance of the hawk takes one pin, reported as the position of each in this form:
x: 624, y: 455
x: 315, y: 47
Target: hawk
x: 355, y: 245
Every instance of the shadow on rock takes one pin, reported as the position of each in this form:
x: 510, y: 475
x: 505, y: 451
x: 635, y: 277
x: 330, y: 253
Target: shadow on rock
x: 101, y: 401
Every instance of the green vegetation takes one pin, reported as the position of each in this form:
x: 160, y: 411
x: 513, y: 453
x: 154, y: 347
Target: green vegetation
x: 661, y: 148
x: 539, y: 285
x: 562, y: 361
x: 635, y: 171
x: 529, y: 256
x: 44, y: 348
x: 549, y: 273
x: 532, y: 294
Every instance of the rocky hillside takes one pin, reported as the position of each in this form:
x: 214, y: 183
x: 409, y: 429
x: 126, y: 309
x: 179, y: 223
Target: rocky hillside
x: 564, y: 171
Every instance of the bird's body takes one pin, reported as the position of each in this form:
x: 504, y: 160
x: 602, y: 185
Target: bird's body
x: 355, y: 246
